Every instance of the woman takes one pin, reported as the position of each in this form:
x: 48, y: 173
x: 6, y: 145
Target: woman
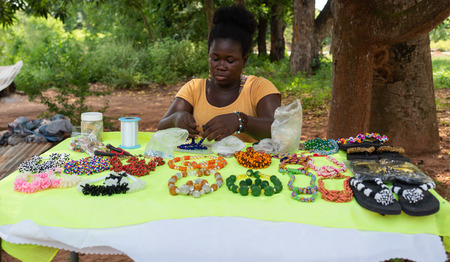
x: 227, y: 102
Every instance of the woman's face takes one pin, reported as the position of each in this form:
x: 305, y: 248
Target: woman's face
x: 226, y: 62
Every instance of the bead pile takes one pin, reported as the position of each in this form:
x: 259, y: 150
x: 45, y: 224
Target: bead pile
x: 256, y: 187
x: 215, y: 163
x: 35, y: 164
x: 115, y: 183
x: 322, y: 146
x: 87, y: 165
x: 337, y: 196
x: 361, y: 137
x: 135, y: 166
x: 252, y: 159
x: 196, y: 188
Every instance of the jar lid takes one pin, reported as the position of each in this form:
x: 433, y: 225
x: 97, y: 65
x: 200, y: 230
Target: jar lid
x: 91, y: 116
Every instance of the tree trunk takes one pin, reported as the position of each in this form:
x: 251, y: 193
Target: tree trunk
x: 352, y: 71
x: 303, y: 33
x: 262, y: 31
x: 276, y: 32
x: 322, y: 27
x: 209, y: 9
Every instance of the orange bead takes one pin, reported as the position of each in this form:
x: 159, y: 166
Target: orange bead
x: 214, y: 187
x: 189, y: 183
x: 187, y: 157
x: 171, y: 183
x: 183, y: 168
x: 184, y: 174
x: 204, y: 182
x: 199, y: 173
x: 176, y: 159
x: 173, y: 191
x: 198, y: 187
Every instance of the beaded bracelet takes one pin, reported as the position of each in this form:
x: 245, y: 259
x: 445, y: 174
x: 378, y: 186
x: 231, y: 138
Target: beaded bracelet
x: 243, y: 122
x: 35, y: 164
x: 360, y: 138
x: 193, y: 146
x: 215, y: 163
x: 87, y: 165
x: 294, y: 159
x: 322, y: 146
x: 136, y: 167
x: 257, y: 187
x: 311, y: 189
x: 338, y: 196
x: 115, y: 183
x: 198, y: 187
x: 252, y: 159
x: 329, y: 171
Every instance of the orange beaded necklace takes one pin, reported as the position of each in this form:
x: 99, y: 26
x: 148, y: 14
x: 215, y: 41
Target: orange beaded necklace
x: 252, y: 159
x: 339, y: 196
x: 215, y: 163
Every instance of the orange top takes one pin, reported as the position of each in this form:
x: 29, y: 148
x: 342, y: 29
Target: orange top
x: 255, y: 88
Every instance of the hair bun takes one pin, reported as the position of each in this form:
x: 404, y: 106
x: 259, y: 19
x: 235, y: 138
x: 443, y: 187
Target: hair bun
x: 236, y: 14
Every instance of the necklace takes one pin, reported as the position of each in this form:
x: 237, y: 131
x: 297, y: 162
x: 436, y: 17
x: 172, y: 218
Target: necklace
x: 338, y: 196
x: 362, y: 137
x: 37, y: 165
x: 322, y: 146
x: 294, y: 159
x: 87, y: 165
x: 135, y: 166
x: 311, y: 189
x: 255, y: 187
x: 198, y: 187
x: 329, y: 171
x: 115, y: 183
x: 252, y: 159
x: 215, y: 163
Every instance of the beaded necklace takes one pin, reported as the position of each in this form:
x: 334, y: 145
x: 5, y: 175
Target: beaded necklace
x: 311, y: 189
x: 215, y: 163
x: 29, y: 183
x: 193, y: 145
x: 361, y: 137
x: 135, y: 166
x: 252, y: 159
x: 87, y: 165
x: 322, y: 146
x: 294, y: 159
x: 329, y: 171
x: 198, y: 187
x: 256, y: 187
x: 36, y: 164
x: 339, y: 196
x: 115, y: 183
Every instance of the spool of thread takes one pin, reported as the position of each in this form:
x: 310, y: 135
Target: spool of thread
x: 129, y: 132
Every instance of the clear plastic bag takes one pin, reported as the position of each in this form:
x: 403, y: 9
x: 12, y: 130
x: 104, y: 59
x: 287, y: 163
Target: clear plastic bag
x: 227, y: 146
x: 286, y: 130
x: 163, y: 142
x: 388, y: 171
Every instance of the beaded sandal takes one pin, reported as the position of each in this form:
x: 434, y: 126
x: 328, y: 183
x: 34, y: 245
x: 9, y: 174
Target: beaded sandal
x: 361, y: 153
x: 390, y: 152
x: 415, y: 199
x: 375, y: 196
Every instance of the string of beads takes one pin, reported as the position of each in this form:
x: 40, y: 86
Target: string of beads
x: 338, y: 196
x: 115, y: 183
x: 252, y: 159
x: 136, y: 167
x: 294, y: 159
x: 329, y: 171
x: 296, y: 191
x: 362, y: 137
x: 322, y: 146
x: 214, y: 163
x: 37, y: 165
x: 198, y: 187
x: 255, y: 187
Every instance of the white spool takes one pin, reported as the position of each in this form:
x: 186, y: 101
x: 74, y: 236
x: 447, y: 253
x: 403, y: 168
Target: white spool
x: 129, y: 132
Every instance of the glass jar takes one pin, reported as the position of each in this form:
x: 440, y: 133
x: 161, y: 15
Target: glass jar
x: 92, y: 125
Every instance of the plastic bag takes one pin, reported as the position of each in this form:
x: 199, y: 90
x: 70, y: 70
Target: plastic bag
x: 163, y: 142
x: 286, y: 130
x: 388, y: 170
x: 227, y: 146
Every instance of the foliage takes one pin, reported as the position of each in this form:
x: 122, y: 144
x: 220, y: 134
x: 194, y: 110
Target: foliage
x: 441, y: 72
x: 441, y: 45
x: 441, y: 32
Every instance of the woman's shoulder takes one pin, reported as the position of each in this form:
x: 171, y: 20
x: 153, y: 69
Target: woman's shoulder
x: 260, y: 82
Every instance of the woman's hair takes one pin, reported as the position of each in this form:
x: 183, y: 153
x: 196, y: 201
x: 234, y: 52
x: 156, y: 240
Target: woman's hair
x: 236, y: 23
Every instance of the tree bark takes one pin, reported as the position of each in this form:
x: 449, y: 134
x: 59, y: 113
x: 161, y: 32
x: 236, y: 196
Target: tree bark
x: 277, y: 27
x: 302, y: 36
x: 209, y: 9
x: 403, y: 101
x: 262, y: 31
x: 364, y: 37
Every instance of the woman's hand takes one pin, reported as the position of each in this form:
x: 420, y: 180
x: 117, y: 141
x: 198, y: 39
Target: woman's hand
x: 220, y: 127
x: 185, y: 120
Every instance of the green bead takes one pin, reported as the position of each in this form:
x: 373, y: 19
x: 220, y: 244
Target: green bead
x: 258, y: 181
x: 249, y: 172
x: 234, y: 189
x: 249, y: 181
x: 243, y: 183
x: 257, y: 174
x: 243, y: 190
x: 264, y: 183
x: 278, y: 189
x: 268, y: 191
x: 232, y: 178
x: 273, y: 179
x: 256, y: 190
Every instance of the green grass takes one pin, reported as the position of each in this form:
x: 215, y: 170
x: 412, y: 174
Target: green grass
x: 441, y: 72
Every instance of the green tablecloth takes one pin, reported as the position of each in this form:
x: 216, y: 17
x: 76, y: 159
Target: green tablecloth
x: 69, y: 208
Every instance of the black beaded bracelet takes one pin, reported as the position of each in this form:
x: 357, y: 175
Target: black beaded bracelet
x: 243, y: 122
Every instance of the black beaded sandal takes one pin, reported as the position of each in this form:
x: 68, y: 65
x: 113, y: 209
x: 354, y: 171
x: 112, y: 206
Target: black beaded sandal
x: 415, y: 199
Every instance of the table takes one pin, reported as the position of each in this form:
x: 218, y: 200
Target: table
x: 152, y: 225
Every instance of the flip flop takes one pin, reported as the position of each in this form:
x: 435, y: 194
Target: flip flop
x: 390, y: 152
x: 415, y: 199
x: 375, y: 196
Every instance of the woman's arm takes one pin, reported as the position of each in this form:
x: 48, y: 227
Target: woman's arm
x: 180, y: 115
